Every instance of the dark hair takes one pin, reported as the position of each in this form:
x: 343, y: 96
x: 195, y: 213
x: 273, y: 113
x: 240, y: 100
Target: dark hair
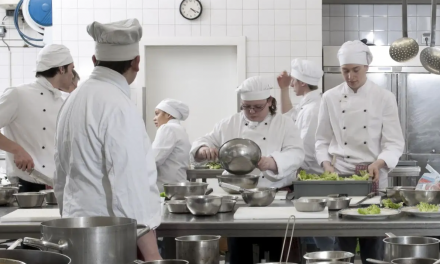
x: 75, y: 75
x: 117, y: 66
x: 51, y: 72
x: 273, y: 106
x: 313, y: 87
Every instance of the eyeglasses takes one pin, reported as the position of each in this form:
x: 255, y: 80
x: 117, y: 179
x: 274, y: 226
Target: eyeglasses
x: 255, y: 108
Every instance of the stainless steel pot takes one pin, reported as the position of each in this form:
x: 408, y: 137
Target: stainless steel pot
x: 198, y: 249
x: 178, y: 191
x: 405, y: 261
x: 328, y: 256
x: 50, y: 196
x: 338, y: 203
x: 410, y: 247
x: 91, y: 240
x: 35, y: 256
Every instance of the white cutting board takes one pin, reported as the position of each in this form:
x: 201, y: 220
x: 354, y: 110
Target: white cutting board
x: 254, y: 213
x: 355, y: 199
x: 31, y: 215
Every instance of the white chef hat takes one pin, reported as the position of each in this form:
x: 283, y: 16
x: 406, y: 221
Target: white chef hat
x: 354, y: 52
x: 306, y: 71
x: 117, y: 41
x: 51, y: 56
x: 177, y: 109
x: 254, y: 88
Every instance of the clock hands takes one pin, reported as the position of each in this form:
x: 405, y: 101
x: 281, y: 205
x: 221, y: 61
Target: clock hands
x: 195, y: 11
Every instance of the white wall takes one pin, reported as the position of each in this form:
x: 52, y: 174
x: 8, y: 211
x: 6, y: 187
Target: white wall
x: 276, y: 30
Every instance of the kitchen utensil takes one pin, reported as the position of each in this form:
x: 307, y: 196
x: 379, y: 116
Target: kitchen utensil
x: 369, y: 196
x: 32, y: 215
x: 414, y: 197
x: 177, y: 207
x: 230, y: 197
x: 430, y: 57
x: 310, y: 205
x: 394, y: 192
x: 40, y: 178
x: 236, y: 188
x: 7, y: 195
x: 243, y: 181
x: 410, y: 247
x: 384, y: 214
x: 198, y: 249
x: 50, y: 196
x: 275, y: 212
x: 178, y: 191
x: 285, y: 238
x: 29, y: 199
x: 84, y: 238
x: 414, y: 211
x: 167, y: 261
x: 239, y: 156
x: 10, y: 261
x: 203, y: 204
x: 328, y: 256
x: 404, y: 48
x: 338, y: 203
x: 256, y: 196
x: 227, y: 206
x: 415, y: 261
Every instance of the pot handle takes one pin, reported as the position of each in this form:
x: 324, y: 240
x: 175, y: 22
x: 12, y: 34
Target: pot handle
x: 390, y: 235
x: 145, y: 229
x: 209, y: 191
x: 45, y: 245
x: 377, y: 261
x: 15, y: 244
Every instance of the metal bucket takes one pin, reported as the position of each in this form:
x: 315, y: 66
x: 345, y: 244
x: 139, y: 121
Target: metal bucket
x: 198, y: 249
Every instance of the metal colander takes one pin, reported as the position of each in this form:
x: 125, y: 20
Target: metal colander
x: 404, y: 48
x: 430, y: 57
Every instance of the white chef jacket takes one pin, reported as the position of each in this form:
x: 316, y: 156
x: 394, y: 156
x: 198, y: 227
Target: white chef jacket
x: 359, y: 128
x: 171, y: 148
x: 305, y: 116
x: 28, y: 115
x: 105, y: 163
x: 276, y: 136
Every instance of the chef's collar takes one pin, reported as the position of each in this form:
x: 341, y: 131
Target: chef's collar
x: 174, y: 121
x: 253, y: 124
x: 310, y: 97
x: 110, y: 76
x: 47, y: 85
x: 363, y: 89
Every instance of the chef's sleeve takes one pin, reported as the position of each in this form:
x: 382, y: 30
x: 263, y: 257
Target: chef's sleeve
x: 324, y: 133
x: 131, y: 169
x: 291, y: 155
x: 59, y: 181
x: 213, y: 139
x: 9, y: 102
x: 392, y: 141
x: 163, y: 144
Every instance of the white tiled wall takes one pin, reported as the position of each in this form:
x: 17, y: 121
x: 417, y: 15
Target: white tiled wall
x: 276, y: 30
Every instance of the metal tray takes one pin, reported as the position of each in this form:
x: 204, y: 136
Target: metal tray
x: 384, y: 214
x: 324, y: 188
x: 414, y: 211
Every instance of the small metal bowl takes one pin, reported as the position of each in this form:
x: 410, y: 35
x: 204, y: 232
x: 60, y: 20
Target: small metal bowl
x: 178, y: 191
x: 338, y: 203
x: 239, y: 156
x: 177, y: 207
x: 414, y: 197
x: 7, y: 195
x: 50, y: 196
x: 310, y: 205
x: 328, y: 256
x: 30, y: 199
x: 203, y: 204
x: 227, y: 206
x: 242, y: 181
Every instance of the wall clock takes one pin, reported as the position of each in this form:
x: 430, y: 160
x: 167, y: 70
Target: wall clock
x: 191, y: 9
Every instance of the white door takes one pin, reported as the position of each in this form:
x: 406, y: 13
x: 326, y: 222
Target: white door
x: 204, y: 77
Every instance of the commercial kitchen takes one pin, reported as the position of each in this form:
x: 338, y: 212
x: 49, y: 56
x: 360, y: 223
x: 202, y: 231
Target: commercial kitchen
x: 342, y: 176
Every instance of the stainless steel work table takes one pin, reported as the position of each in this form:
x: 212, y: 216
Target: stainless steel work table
x: 224, y: 224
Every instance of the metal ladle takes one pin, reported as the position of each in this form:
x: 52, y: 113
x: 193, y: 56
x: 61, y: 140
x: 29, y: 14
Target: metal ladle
x: 430, y: 57
x: 404, y: 48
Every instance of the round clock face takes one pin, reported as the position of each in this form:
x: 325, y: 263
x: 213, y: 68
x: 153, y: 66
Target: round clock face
x: 190, y: 9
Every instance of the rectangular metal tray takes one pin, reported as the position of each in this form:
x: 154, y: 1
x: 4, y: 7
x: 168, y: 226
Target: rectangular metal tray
x: 324, y: 188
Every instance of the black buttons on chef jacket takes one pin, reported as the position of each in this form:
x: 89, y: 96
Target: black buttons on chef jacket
x: 348, y: 157
x: 245, y: 124
x: 265, y: 124
x: 365, y: 142
x: 345, y: 96
x: 344, y: 128
x: 41, y: 93
x: 44, y: 147
x: 365, y: 126
x: 345, y: 143
x: 264, y: 138
x: 44, y: 166
x: 44, y: 110
x: 343, y: 111
x: 365, y: 110
x: 44, y: 128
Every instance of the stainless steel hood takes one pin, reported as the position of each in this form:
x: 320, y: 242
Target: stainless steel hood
x: 369, y: 2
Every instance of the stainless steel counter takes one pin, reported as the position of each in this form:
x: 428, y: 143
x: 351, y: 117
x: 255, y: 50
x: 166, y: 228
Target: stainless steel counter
x: 224, y: 224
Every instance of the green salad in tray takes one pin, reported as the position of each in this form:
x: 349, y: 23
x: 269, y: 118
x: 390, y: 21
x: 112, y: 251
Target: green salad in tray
x: 388, y: 203
x: 328, y: 176
x: 370, y: 210
x: 214, y: 166
x: 426, y: 207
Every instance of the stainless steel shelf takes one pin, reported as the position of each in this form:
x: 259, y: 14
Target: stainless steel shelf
x: 369, y: 2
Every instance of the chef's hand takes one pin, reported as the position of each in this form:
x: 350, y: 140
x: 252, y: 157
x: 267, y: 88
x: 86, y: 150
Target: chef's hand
x: 23, y: 160
x: 284, y: 80
x: 328, y: 167
x: 267, y: 163
x: 374, y: 169
x: 206, y: 153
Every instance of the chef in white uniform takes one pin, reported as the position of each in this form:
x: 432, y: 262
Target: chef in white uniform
x: 171, y: 145
x: 359, y: 123
x: 28, y: 114
x: 280, y: 143
x: 105, y: 163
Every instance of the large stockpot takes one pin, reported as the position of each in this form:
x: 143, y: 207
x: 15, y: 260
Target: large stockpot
x: 410, y: 247
x: 91, y: 240
x: 198, y: 249
x: 35, y: 256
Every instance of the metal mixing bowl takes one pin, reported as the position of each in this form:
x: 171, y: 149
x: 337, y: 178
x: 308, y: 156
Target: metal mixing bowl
x: 413, y: 261
x: 328, y: 256
x: 29, y: 199
x: 177, y: 207
x: 203, y: 204
x: 242, y: 181
x: 239, y: 156
x: 7, y: 195
x: 167, y: 261
x: 178, y: 191
x: 10, y: 261
x: 227, y: 205
x: 394, y: 192
x: 259, y: 196
x: 338, y: 203
x: 414, y: 197
x: 310, y: 205
x: 50, y: 196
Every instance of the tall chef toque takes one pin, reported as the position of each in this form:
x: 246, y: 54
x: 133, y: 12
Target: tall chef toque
x: 254, y: 89
x: 354, y: 52
x: 117, y: 41
x: 177, y: 109
x: 52, y: 56
x: 306, y: 71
